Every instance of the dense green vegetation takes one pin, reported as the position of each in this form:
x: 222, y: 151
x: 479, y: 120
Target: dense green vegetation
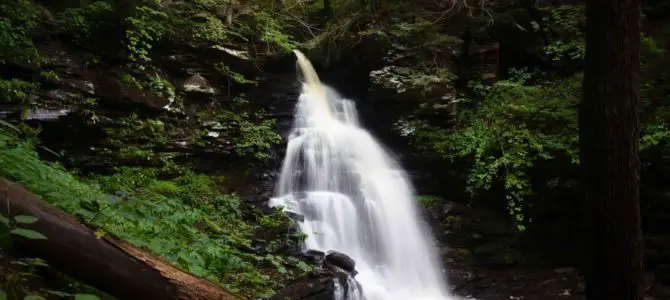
x: 184, y: 219
x: 518, y: 132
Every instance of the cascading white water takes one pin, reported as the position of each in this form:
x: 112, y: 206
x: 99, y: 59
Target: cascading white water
x: 356, y: 199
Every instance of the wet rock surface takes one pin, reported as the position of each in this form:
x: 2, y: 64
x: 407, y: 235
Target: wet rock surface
x: 483, y: 259
x: 313, y: 287
x: 340, y: 260
x: 321, y: 284
x: 85, y: 107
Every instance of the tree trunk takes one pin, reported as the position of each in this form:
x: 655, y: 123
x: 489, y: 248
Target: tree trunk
x: 609, y: 136
x: 111, y: 265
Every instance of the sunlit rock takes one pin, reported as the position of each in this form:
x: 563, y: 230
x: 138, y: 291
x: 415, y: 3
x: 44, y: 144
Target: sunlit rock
x: 197, y: 83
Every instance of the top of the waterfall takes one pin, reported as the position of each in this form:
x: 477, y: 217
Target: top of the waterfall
x: 307, y: 70
x: 311, y: 79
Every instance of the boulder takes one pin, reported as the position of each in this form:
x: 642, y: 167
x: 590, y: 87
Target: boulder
x: 295, y: 216
x: 340, y: 260
x: 333, y: 271
x: 314, y: 256
x: 308, y: 288
x: 198, y: 84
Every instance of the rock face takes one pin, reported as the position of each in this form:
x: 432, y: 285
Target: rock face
x: 332, y: 271
x: 100, y: 116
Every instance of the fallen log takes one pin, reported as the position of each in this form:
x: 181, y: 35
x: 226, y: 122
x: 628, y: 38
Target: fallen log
x: 108, y: 264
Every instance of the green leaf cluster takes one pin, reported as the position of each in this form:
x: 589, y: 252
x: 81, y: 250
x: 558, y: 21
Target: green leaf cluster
x: 185, y: 220
x: 515, y: 126
x: 19, y: 23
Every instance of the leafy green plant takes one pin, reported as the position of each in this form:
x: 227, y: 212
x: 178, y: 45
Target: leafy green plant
x: 237, y: 77
x: 516, y: 126
x: 274, y: 31
x: 428, y: 200
x: 256, y: 138
x: 147, y: 25
x: 14, y: 281
x: 252, y: 133
x: 87, y: 20
x: 19, y: 20
x: 9, y: 229
x: 161, y: 87
x: 212, y: 30
x: 184, y: 220
x: 49, y: 75
x: 208, y: 242
x: 17, y: 91
x: 153, y: 131
x: 13, y: 227
x: 568, y: 22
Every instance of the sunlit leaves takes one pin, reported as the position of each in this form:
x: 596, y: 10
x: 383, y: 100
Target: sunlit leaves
x: 4, y: 220
x: 25, y: 219
x: 85, y: 297
x: 29, y: 234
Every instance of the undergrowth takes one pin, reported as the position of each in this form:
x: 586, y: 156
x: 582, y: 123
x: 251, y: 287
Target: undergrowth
x: 184, y: 220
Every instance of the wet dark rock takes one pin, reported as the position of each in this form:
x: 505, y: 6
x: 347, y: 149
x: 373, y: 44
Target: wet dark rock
x: 265, y: 196
x: 308, y: 288
x: 526, y: 284
x: 340, y: 260
x: 331, y: 270
x: 82, y: 85
x: 475, y: 236
x: 55, y: 94
x: 565, y: 271
x: 110, y: 87
x: 46, y: 114
x: 661, y: 291
x: 87, y: 101
x: 314, y: 256
x: 143, y: 96
x: 295, y: 216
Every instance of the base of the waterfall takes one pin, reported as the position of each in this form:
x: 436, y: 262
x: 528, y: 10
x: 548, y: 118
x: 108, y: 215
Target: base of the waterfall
x: 333, y: 278
x: 376, y: 287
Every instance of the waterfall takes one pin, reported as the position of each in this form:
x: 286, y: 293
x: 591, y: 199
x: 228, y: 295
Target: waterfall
x: 356, y: 199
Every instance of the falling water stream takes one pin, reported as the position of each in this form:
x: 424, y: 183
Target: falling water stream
x: 356, y: 199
